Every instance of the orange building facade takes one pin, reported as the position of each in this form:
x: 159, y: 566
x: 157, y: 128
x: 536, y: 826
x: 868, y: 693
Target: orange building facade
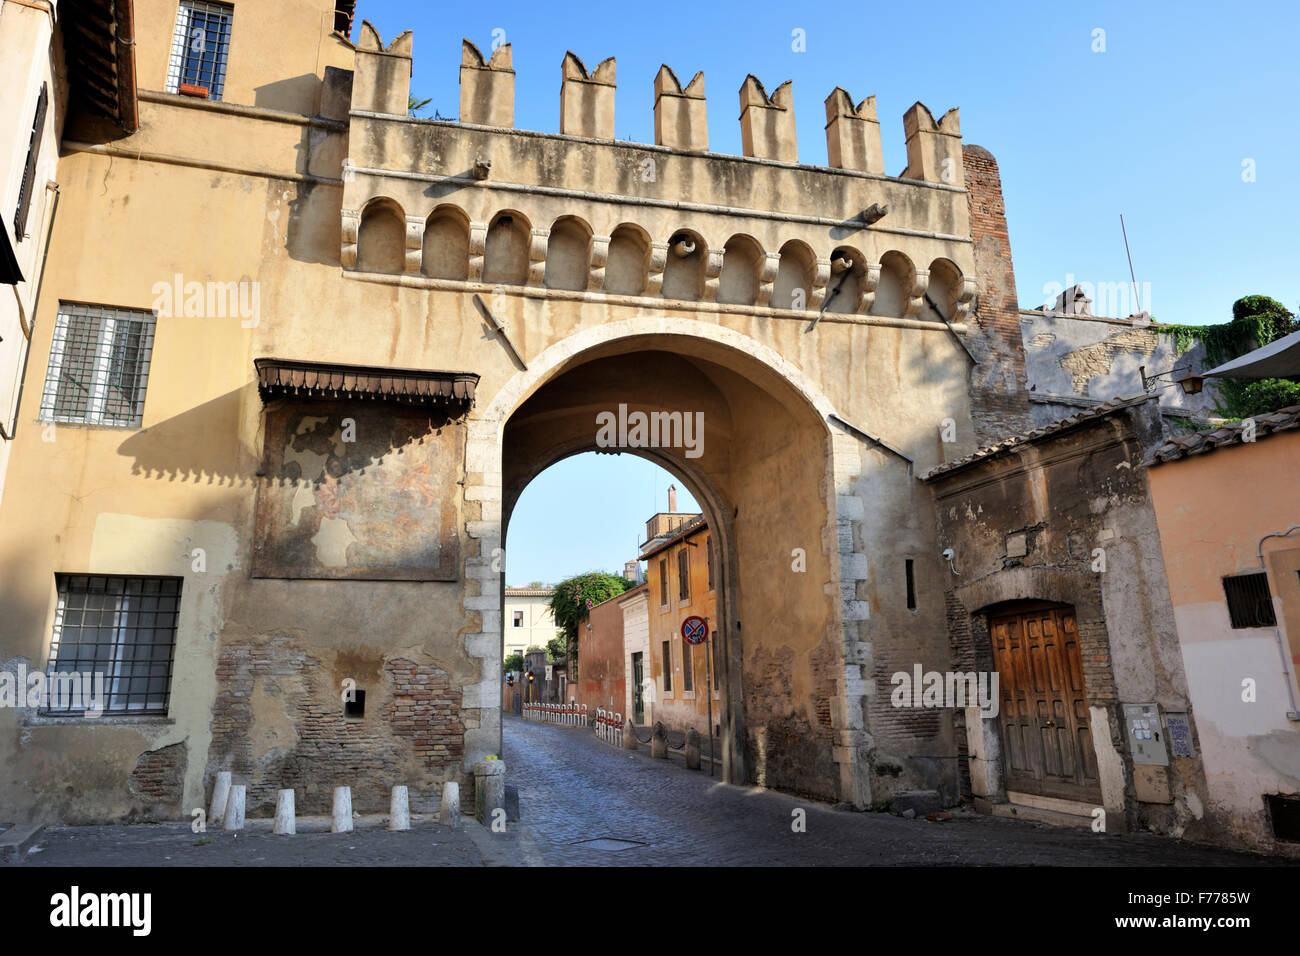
x: 680, y: 582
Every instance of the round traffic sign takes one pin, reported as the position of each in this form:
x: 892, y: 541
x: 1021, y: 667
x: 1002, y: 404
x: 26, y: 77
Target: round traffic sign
x: 695, y: 629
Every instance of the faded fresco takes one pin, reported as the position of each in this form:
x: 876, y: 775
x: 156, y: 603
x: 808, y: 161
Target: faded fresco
x: 360, y: 490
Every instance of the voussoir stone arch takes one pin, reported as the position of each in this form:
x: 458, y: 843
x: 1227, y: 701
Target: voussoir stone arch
x: 848, y: 567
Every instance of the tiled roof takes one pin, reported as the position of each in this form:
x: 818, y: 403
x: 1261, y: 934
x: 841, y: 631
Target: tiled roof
x: 1185, y: 446
x: 655, y: 545
x: 1029, y: 437
x: 530, y: 592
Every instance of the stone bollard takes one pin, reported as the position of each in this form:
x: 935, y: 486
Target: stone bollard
x: 450, y: 813
x: 489, y: 789
x: 659, y: 741
x: 284, y: 817
x: 342, y: 822
x: 234, y: 816
x: 399, y: 810
x: 220, y: 794
x: 629, y: 735
x: 692, y: 749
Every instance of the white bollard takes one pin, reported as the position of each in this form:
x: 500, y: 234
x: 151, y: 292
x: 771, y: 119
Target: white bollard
x: 220, y: 794
x: 234, y: 816
x: 285, y: 821
x: 450, y: 815
x: 399, y: 810
x: 342, y: 822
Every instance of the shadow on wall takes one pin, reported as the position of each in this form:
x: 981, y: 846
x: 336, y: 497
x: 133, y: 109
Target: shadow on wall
x: 297, y: 94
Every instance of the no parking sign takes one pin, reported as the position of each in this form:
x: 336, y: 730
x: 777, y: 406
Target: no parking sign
x: 695, y: 629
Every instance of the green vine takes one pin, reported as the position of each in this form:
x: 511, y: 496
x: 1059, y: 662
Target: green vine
x: 1257, y: 320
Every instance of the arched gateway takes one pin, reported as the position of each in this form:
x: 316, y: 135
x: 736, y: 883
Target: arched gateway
x: 319, y: 490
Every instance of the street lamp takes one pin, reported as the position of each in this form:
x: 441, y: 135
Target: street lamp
x: 1191, y: 384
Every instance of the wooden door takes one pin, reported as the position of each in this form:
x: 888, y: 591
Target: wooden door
x: 1046, y: 738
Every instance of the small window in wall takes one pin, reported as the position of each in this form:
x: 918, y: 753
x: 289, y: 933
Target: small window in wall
x: 663, y: 581
x: 519, y: 618
x: 99, y: 366
x: 911, y: 586
x: 708, y: 555
x: 1250, y: 603
x: 355, y: 707
x: 122, y: 629
x: 684, y: 573
x: 668, y: 667
x: 200, y: 49
x: 1284, y: 815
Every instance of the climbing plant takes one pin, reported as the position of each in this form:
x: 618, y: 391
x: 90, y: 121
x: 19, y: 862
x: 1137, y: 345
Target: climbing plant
x: 575, y: 597
x: 1257, y: 320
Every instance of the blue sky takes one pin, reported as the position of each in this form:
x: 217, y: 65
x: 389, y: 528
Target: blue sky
x: 1156, y: 127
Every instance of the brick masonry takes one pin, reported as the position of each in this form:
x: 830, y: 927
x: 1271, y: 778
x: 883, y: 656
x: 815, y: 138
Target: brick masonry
x: 283, y: 699
x: 157, y: 784
x: 999, y: 400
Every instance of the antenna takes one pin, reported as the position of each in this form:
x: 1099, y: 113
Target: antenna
x: 1132, y: 277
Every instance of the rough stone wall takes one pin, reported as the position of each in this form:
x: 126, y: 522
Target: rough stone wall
x: 999, y: 402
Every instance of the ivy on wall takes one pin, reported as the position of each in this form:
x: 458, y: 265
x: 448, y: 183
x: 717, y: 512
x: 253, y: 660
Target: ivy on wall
x: 1257, y: 320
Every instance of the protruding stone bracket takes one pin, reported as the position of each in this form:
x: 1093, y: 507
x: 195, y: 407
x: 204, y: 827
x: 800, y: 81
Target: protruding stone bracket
x: 767, y: 277
x: 965, y: 299
x: 870, y: 282
x: 916, y: 294
x: 599, y: 259
x: 712, y: 273
x: 414, y: 245
x: 477, y: 243
x: 821, y: 277
x: 537, y: 256
x: 655, y: 273
x: 351, y: 229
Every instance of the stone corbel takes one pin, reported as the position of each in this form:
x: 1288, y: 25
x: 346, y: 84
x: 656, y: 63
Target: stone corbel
x: 916, y: 294
x: 767, y: 277
x: 870, y: 283
x: 965, y: 299
x: 599, y: 259
x: 477, y: 243
x: 351, y: 226
x: 414, y: 245
x: 654, y: 283
x: 537, y: 256
x: 712, y: 271
x: 821, y: 276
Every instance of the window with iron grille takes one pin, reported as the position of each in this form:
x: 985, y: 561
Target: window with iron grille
x: 200, y: 48
x: 684, y: 574
x: 28, y: 185
x: 123, y: 628
x: 1250, y: 603
x: 99, y: 366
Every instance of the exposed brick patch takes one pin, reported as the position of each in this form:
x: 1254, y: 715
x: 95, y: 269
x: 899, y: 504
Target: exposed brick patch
x: 999, y: 399
x: 412, y: 732
x: 158, y: 782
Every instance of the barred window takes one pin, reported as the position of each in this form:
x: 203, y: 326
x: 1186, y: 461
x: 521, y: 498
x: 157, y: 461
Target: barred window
x: 123, y: 628
x: 99, y: 366
x: 1250, y: 602
x: 200, y: 47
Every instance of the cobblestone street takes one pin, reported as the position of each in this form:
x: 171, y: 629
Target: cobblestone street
x: 574, y: 788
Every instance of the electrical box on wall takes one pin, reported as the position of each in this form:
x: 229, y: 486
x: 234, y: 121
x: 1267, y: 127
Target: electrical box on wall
x: 1146, y: 735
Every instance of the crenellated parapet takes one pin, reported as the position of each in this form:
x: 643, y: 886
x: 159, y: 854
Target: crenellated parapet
x: 767, y: 122
x: 587, y: 99
x: 481, y: 202
x: 382, y: 80
x: 487, y: 87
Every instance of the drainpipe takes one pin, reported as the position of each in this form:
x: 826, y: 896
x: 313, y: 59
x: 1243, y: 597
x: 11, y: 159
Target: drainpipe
x: 1294, y: 712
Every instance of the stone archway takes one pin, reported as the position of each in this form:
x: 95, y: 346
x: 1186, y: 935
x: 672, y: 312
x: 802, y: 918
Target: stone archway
x: 775, y: 475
